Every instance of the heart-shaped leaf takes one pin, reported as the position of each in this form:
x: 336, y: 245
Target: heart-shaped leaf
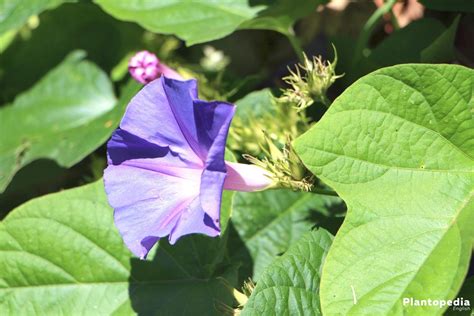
x: 61, y: 254
x: 397, y: 146
x: 269, y: 222
x: 64, y: 117
x: 290, y: 285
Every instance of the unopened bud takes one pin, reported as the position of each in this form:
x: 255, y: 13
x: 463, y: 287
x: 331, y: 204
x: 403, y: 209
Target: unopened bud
x: 146, y: 67
x: 309, y: 82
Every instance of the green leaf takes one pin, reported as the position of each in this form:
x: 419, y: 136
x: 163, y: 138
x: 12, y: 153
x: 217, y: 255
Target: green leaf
x: 452, y: 5
x: 397, y: 146
x: 425, y: 40
x: 442, y: 48
x: 15, y: 13
x: 62, y: 255
x: 193, y: 21
x: 64, y: 117
x: 280, y: 15
x: 75, y: 26
x: 6, y: 39
x: 255, y: 105
x: 206, y: 20
x: 407, y: 44
x: 422, y: 41
x: 290, y: 285
x: 269, y: 222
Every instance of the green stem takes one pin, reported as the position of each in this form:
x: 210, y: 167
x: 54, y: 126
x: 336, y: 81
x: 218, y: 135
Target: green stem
x: 325, y: 101
x: 323, y: 192
x: 394, y: 20
x: 369, y: 27
x: 295, y: 44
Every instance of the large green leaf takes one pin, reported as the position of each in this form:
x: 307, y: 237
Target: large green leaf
x: 290, y: 285
x: 70, y: 27
x: 64, y: 117
x: 269, y: 222
x: 206, y: 20
x: 14, y: 13
x: 61, y: 254
x: 397, y: 146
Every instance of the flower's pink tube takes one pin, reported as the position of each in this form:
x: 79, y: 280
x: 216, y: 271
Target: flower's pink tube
x: 246, y: 178
x: 169, y: 72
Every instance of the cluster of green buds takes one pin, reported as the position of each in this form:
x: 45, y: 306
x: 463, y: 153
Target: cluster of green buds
x: 250, y: 132
x: 265, y: 138
x: 309, y: 82
x: 284, y: 165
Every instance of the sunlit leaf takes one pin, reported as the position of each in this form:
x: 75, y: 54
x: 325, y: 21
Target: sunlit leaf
x: 61, y: 254
x: 398, y: 147
x: 290, y: 285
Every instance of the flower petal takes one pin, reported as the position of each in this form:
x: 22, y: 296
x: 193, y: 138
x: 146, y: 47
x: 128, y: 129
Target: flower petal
x: 193, y: 220
x: 147, y: 203
x: 125, y: 146
x: 202, y: 123
x: 210, y: 195
x: 150, y: 116
x: 213, y: 120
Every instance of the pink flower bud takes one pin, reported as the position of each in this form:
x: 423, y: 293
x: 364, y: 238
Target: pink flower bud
x: 146, y: 67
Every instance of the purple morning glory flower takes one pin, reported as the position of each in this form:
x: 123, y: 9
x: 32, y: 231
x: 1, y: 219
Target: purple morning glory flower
x: 146, y: 67
x: 166, y: 168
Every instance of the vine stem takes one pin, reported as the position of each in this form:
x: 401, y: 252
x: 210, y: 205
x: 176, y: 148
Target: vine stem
x: 369, y: 27
x: 325, y: 101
